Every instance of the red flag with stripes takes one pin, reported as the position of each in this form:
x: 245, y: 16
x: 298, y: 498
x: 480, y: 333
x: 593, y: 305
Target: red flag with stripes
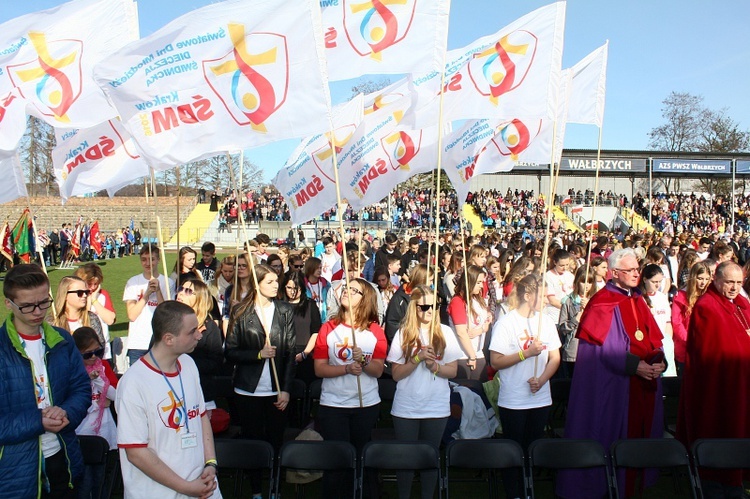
x: 94, y: 241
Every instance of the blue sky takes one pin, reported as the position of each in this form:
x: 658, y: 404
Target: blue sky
x: 656, y: 47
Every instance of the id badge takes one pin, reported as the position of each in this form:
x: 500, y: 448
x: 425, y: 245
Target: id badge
x: 189, y: 440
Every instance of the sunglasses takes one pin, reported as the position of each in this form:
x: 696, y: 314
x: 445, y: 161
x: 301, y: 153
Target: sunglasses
x: 80, y: 292
x: 424, y: 307
x: 187, y: 291
x: 99, y: 352
x: 297, y: 266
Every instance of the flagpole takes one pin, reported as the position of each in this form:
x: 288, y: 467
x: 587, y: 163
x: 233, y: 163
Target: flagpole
x: 437, y: 199
x: 593, y: 207
x: 340, y: 213
x: 159, y: 240
x: 178, y: 207
x: 550, y: 203
x: 41, y: 256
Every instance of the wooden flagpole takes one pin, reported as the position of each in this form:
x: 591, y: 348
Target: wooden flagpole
x: 159, y: 241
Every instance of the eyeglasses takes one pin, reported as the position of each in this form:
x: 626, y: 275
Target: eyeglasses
x: 80, y: 292
x: 424, y: 307
x: 635, y: 270
x: 353, y: 290
x: 276, y: 266
x: 297, y: 266
x: 241, y: 265
x: 187, y: 291
x: 99, y: 352
x: 27, y: 309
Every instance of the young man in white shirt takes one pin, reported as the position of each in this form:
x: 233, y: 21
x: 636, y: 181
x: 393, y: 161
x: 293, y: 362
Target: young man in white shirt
x: 164, y: 434
x: 559, y: 283
x: 143, y: 293
x: 329, y: 259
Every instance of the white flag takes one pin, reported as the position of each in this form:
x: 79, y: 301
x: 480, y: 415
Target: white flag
x: 588, y: 88
x: 228, y: 76
x: 307, y: 181
x: 93, y: 159
x: 14, y: 182
x: 384, y: 36
x: 514, y: 72
x: 12, y: 122
x: 381, y: 155
x: 49, y: 56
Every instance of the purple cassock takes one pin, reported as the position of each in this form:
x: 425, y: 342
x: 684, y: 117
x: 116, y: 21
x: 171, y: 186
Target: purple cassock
x: 598, y: 407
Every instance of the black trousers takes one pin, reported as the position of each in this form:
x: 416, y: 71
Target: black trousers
x: 56, y: 471
x: 352, y: 425
x: 261, y: 420
x: 522, y: 426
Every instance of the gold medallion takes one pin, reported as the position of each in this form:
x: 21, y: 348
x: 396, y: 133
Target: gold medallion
x: 639, y: 335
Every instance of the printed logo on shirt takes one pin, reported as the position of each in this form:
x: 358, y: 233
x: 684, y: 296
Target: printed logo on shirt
x: 39, y: 390
x: 343, y: 350
x: 172, y: 413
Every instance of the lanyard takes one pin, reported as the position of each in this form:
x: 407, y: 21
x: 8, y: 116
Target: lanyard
x: 638, y: 333
x: 182, y: 401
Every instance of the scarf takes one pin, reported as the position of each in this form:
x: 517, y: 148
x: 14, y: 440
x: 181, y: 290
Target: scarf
x: 98, y: 367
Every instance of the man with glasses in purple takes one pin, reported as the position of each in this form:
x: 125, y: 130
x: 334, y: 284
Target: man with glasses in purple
x: 616, y: 388
x: 45, y: 393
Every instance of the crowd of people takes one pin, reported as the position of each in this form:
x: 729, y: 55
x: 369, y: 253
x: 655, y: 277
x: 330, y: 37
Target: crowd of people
x: 84, y: 242
x: 615, y: 315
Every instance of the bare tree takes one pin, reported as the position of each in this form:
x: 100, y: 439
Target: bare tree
x: 35, y: 153
x: 720, y: 133
x: 683, y: 113
x: 369, y: 86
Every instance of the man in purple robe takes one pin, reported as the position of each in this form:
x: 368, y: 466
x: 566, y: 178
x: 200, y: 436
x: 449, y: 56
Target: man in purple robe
x: 616, y: 389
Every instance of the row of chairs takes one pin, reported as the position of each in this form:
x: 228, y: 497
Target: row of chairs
x: 490, y: 454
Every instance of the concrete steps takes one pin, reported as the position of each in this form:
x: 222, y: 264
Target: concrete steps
x: 195, y: 226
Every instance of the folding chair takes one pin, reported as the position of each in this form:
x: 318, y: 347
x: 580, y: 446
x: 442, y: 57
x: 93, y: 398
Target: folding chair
x: 720, y: 454
x: 562, y: 454
x: 491, y: 454
x: 94, y: 450
x: 309, y: 455
x: 643, y: 453
x: 245, y: 455
x: 400, y: 455
x: 298, y: 403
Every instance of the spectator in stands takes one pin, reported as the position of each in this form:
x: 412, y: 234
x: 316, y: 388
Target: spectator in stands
x: 209, y: 265
x: 261, y: 327
x: 423, y: 356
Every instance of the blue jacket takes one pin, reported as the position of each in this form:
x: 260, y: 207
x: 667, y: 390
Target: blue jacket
x: 20, y: 418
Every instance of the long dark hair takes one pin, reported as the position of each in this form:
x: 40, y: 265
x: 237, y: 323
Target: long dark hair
x: 298, y: 278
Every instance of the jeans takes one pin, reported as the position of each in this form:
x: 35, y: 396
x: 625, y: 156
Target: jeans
x: 427, y: 430
x: 91, y: 485
x: 134, y: 355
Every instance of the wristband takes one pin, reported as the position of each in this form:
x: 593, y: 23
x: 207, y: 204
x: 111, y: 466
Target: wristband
x: 260, y: 357
x: 520, y: 355
x: 437, y: 370
x: 417, y: 360
x: 212, y: 463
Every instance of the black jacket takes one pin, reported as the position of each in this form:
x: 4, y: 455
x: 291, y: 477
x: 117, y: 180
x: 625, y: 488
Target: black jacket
x: 396, y: 312
x: 246, y: 340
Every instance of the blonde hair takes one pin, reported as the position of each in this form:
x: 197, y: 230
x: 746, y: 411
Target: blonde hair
x: 61, y: 319
x: 530, y: 284
x: 203, y: 301
x: 410, y: 327
x: 691, y: 290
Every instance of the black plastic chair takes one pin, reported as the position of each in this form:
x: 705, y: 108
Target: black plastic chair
x: 298, y: 404
x: 245, y: 455
x: 400, y: 455
x: 313, y: 395
x: 487, y: 454
x: 720, y: 454
x: 309, y: 455
x: 94, y: 450
x: 562, y: 454
x: 643, y: 453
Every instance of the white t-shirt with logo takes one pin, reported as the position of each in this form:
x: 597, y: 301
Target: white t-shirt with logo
x: 559, y: 286
x: 422, y: 395
x: 328, y: 265
x: 35, y: 350
x: 335, y: 344
x: 139, y: 330
x: 108, y: 428
x: 150, y: 415
x: 511, y: 334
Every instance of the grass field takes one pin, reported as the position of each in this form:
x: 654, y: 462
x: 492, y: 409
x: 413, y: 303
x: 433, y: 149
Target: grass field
x: 116, y: 272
